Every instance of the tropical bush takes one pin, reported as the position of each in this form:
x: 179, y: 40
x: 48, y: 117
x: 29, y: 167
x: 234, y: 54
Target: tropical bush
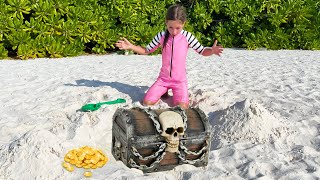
x: 58, y: 28
x: 271, y: 24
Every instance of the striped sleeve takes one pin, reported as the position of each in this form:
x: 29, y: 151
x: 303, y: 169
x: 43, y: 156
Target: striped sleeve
x: 193, y: 42
x: 155, y: 43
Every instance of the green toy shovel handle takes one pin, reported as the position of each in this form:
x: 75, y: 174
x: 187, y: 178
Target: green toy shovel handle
x: 94, y: 107
x: 119, y: 100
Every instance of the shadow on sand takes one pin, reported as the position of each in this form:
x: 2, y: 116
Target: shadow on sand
x: 215, y: 143
x: 135, y: 92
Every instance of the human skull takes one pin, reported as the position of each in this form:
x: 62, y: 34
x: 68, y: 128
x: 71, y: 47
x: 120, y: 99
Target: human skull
x: 172, y: 128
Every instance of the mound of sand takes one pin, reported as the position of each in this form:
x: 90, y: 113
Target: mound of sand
x: 33, y: 154
x: 247, y: 121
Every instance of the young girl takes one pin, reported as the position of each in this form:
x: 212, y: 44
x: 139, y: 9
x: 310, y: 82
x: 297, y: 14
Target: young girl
x: 175, y: 43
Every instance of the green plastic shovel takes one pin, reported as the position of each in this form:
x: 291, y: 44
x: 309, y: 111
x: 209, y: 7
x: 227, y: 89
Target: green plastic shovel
x: 94, y: 107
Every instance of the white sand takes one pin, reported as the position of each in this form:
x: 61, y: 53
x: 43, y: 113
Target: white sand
x: 264, y: 107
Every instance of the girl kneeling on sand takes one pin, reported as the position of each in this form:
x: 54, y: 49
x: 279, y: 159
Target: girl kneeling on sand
x: 175, y: 43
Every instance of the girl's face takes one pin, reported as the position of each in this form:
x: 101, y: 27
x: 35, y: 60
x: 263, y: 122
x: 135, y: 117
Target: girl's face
x: 174, y: 26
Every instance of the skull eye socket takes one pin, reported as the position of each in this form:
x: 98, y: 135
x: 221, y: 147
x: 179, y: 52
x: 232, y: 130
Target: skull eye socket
x: 180, y: 130
x: 172, y: 130
x: 169, y: 130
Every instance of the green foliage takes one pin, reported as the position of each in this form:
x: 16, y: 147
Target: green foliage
x: 26, y: 51
x: 58, y: 28
x: 55, y: 47
x: 74, y: 48
x: 17, y: 38
x: 3, y: 52
x: 18, y: 8
x: 273, y: 24
x: 43, y: 10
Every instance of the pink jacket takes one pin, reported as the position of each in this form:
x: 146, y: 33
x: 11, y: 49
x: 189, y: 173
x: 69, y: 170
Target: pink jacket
x: 174, y: 54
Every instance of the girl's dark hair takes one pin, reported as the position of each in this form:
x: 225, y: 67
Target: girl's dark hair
x: 174, y: 12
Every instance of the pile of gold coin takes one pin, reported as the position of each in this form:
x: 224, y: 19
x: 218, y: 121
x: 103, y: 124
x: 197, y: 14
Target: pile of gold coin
x: 84, y: 157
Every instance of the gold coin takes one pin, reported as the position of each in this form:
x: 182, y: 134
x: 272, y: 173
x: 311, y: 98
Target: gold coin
x: 86, y: 167
x: 105, y: 160
x: 69, y: 157
x: 71, y: 153
x: 66, y: 159
x: 73, y: 162
x: 81, y: 157
x: 83, y: 164
x: 65, y: 164
x: 79, y: 154
x: 100, y: 164
x: 88, y: 156
x: 70, y: 168
x: 72, y: 156
x: 87, y: 174
x: 98, y: 156
x: 87, y: 161
x: 85, y: 147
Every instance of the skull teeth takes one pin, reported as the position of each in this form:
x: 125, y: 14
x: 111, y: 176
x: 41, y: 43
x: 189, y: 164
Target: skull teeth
x: 173, y: 145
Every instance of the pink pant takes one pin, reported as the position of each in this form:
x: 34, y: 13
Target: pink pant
x: 161, y: 86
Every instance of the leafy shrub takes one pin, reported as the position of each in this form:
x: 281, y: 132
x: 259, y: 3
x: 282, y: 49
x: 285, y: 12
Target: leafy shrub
x: 3, y: 52
x: 273, y: 24
x: 58, y: 28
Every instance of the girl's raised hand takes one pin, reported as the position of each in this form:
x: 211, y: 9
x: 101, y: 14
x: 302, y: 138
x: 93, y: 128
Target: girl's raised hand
x: 123, y: 44
x: 217, y: 50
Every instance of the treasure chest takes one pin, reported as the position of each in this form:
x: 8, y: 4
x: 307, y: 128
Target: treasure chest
x: 159, y: 140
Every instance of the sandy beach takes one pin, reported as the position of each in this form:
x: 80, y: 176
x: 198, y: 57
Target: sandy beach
x: 263, y: 105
